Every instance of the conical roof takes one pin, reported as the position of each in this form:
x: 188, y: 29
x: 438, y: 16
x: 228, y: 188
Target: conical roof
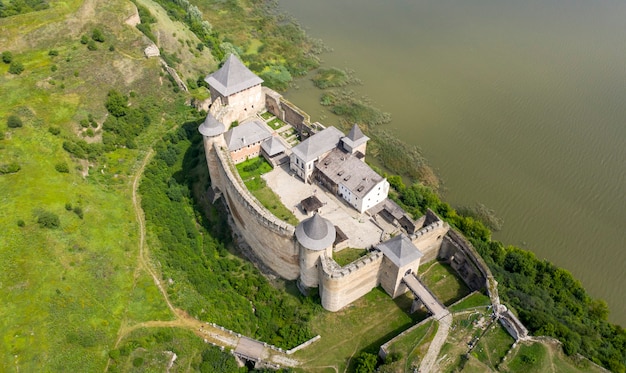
x: 316, y: 233
x: 400, y: 250
x: 232, y: 77
x: 355, y: 137
x: 211, y: 126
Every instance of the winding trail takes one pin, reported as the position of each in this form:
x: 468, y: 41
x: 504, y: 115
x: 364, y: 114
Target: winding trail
x: 181, y: 318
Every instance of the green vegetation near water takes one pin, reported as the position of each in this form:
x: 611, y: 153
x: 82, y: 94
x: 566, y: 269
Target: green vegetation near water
x: 548, y: 300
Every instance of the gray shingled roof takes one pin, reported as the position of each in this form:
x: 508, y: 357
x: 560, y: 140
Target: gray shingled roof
x: 400, y: 250
x: 347, y: 169
x: 273, y: 146
x: 246, y: 134
x: 211, y: 126
x: 355, y: 137
x: 232, y: 77
x: 316, y: 233
x: 318, y: 144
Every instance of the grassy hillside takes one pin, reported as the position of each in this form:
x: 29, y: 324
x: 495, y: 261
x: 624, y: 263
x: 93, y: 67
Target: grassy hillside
x: 68, y: 289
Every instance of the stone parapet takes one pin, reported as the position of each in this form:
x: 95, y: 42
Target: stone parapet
x: 340, y: 286
x: 270, y: 239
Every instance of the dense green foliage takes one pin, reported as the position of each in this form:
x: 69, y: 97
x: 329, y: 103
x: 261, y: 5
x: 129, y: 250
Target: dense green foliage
x: 14, y: 7
x: 16, y: 68
x: 209, y: 281
x: 366, y: 362
x: 7, y: 57
x: 125, y: 123
x: 13, y: 121
x: 47, y: 219
x: 548, y: 299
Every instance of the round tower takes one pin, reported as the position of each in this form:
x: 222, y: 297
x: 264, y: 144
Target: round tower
x: 212, y: 131
x: 315, y: 237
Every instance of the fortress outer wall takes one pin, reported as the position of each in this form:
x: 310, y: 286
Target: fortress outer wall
x: 342, y: 286
x: 271, y: 239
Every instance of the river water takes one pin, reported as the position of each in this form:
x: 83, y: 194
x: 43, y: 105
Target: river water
x: 519, y: 105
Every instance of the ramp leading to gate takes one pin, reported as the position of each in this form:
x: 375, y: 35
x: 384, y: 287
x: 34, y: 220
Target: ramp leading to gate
x: 432, y: 304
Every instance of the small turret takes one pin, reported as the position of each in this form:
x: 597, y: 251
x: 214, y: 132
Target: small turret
x: 315, y: 237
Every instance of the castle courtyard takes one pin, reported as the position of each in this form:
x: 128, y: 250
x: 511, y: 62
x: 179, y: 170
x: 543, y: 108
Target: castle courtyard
x: 361, y: 231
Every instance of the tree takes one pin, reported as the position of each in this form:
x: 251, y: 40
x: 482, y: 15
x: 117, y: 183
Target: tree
x: 97, y: 35
x: 16, y: 68
x: 366, y: 362
x: 47, y: 219
x: 7, y: 57
x: 13, y: 121
x: 116, y: 103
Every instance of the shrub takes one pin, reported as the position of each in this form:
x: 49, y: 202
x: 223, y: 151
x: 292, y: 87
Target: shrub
x: 111, y: 48
x: 10, y: 168
x: 90, y: 133
x: 62, y: 167
x: 13, y: 121
x: 7, y: 57
x: 47, y: 219
x: 16, y: 68
x: 84, y: 123
x: 78, y: 211
x: 91, y: 45
x: 84, y: 39
x: 54, y: 130
x: 97, y: 35
x: 137, y: 362
x: 53, y: 68
x: 20, y: 223
x: 53, y: 52
x: 68, y: 206
x: 366, y: 362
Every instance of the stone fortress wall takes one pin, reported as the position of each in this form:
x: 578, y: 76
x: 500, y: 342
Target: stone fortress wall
x: 340, y: 286
x: 271, y: 239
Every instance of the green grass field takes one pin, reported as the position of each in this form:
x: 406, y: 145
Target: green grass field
x: 363, y: 325
x: 348, y: 255
x: 69, y: 289
x: 443, y: 281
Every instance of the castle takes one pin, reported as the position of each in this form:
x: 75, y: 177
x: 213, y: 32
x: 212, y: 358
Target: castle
x: 335, y: 164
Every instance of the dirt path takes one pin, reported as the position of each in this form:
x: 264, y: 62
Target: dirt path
x: 428, y: 364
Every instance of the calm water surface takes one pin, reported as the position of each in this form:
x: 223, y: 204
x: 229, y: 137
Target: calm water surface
x: 520, y: 105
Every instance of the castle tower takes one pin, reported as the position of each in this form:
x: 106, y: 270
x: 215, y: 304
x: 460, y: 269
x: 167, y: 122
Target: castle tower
x: 355, y: 142
x: 401, y: 257
x: 238, y: 89
x: 315, y: 237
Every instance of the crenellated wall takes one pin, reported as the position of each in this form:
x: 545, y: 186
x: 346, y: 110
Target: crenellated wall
x: 340, y: 286
x: 429, y: 238
x: 271, y: 239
